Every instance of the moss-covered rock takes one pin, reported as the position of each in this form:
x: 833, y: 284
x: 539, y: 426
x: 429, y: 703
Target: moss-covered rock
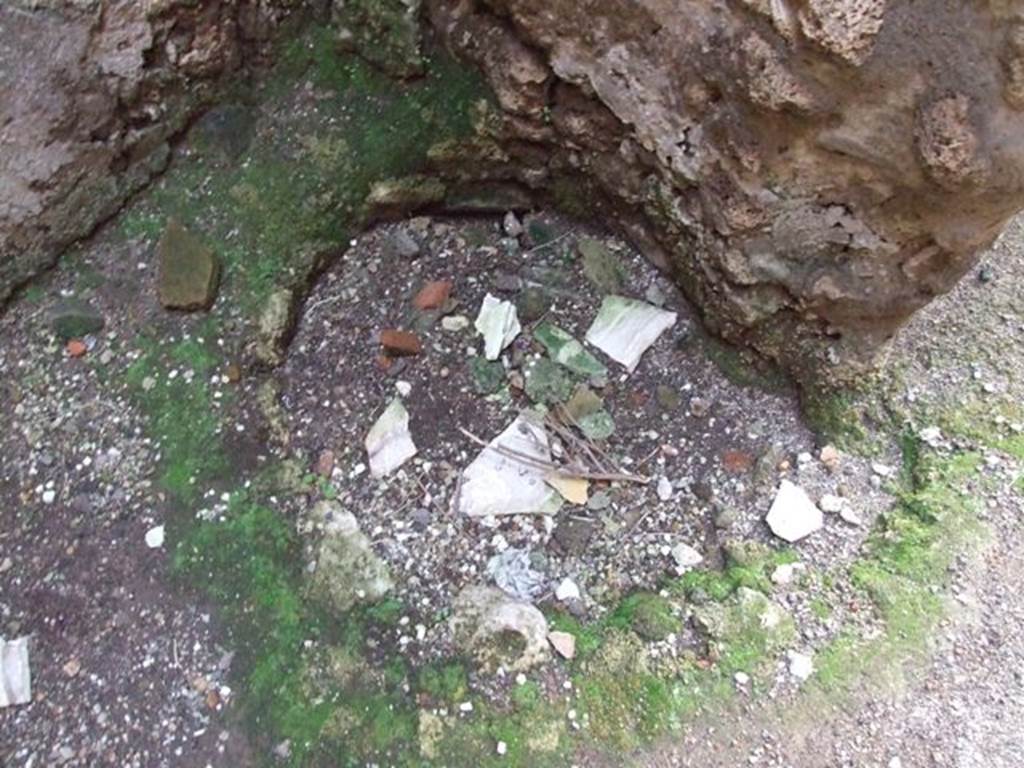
x: 276, y: 322
x: 384, y: 32
x: 651, y: 616
x: 75, y: 318
x: 396, y: 198
x: 347, y: 569
x: 745, y: 629
x: 189, y: 271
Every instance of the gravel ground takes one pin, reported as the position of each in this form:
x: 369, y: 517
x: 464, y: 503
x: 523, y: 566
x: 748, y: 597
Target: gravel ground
x: 127, y: 671
x: 719, y: 444
x: 130, y: 671
x: 964, y: 706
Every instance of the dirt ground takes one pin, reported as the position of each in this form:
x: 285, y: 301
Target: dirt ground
x: 130, y: 670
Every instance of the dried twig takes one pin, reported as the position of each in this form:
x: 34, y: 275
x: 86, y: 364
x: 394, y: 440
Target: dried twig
x: 648, y: 457
x: 630, y: 530
x: 597, y: 455
x: 549, y: 243
x: 556, y: 469
x: 308, y: 312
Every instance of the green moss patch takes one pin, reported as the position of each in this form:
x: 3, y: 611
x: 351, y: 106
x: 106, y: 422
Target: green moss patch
x: 906, y: 567
x: 295, y: 195
x: 181, y: 410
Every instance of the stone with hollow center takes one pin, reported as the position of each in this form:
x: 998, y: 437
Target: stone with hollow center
x: 793, y: 516
x: 498, y: 630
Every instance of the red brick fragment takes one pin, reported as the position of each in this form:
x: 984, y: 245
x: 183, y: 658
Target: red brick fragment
x: 400, y: 343
x: 433, y: 294
x: 76, y: 348
x: 737, y: 461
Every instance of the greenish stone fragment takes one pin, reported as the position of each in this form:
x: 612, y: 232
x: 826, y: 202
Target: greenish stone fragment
x: 276, y: 322
x: 597, y: 426
x: 547, y: 382
x: 600, y: 266
x: 532, y: 303
x: 348, y: 571
x: 747, y: 621
x: 586, y: 410
x: 189, y: 271
x: 668, y: 398
x: 567, y: 351
x: 584, y: 402
x: 74, y: 318
x: 488, y: 375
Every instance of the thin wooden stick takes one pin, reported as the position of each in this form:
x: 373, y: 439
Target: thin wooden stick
x: 549, y: 243
x: 557, y: 469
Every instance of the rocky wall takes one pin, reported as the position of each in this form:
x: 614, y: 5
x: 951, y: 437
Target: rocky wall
x: 812, y: 172
x: 91, y: 92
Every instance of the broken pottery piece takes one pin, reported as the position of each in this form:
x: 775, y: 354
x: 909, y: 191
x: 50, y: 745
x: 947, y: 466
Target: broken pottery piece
x: 793, y: 515
x: 15, y: 675
x: 389, y: 444
x: 567, y: 351
x: 498, y: 324
x: 498, y: 484
x: 400, y: 343
x: 625, y: 328
x: 433, y: 294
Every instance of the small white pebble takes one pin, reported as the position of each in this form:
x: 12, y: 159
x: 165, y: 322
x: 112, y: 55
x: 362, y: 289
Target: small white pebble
x: 155, y: 537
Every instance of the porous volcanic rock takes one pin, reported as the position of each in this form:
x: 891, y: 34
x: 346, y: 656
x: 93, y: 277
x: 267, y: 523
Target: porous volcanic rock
x: 810, y: 172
